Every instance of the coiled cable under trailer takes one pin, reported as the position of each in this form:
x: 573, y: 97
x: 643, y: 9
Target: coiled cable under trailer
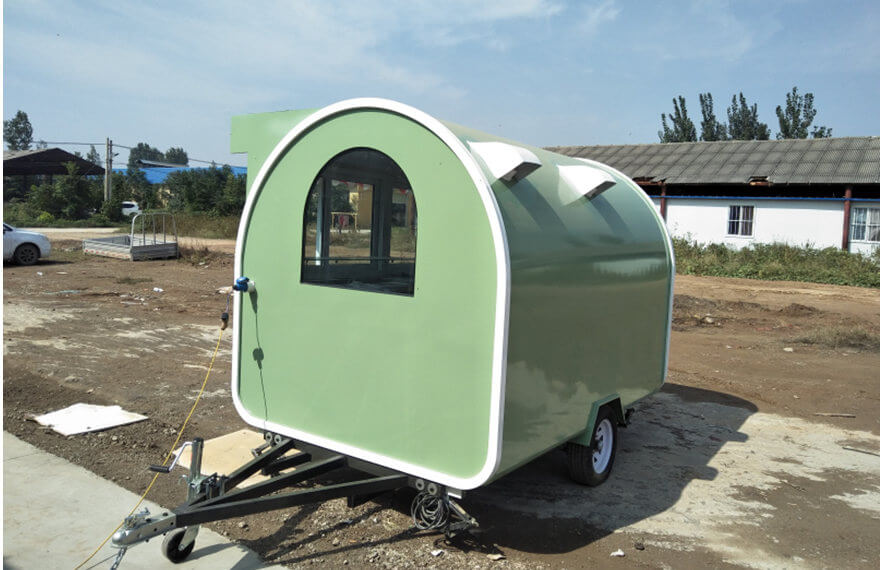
x: 216, y: 497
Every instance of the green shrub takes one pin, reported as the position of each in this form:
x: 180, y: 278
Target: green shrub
x: 778, y: 262
x: 45, y: 218
x: 207, y: 226
x: 100, y: 219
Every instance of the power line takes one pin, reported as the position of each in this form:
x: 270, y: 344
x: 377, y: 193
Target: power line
x: 190, y: 159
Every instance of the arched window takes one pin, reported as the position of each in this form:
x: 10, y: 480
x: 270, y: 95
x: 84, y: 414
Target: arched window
x: 359, y: 225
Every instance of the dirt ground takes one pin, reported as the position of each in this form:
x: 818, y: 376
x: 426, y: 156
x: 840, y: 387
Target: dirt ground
x: 734, y: 463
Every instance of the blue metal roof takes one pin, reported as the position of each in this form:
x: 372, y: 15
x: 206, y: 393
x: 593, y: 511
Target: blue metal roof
x: 158, y: 174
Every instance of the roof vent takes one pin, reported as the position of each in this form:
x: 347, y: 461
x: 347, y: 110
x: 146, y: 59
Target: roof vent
x: 505, y: 161
x: 582, y: 182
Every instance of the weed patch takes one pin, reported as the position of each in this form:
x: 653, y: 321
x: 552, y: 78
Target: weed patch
x: 207, y: 226
x: 842, y: 337
x: 778, y: 262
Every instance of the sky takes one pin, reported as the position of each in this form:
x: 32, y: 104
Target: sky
x: 543, y: 72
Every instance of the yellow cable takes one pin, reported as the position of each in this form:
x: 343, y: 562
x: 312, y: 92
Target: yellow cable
x: 167, y: 457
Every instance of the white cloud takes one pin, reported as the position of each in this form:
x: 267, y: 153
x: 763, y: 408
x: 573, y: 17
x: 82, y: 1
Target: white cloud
x: 595, y: 16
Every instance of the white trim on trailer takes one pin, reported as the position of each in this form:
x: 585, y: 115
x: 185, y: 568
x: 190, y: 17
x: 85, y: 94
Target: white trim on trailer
x: 502, y: 296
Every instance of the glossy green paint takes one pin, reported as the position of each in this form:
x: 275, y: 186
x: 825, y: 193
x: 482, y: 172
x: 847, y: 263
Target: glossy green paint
x: 402, y: 377
x: 409, y: 378
x: 591, y: 284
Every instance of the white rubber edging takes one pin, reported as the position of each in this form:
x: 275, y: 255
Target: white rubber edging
x: 502, y: 297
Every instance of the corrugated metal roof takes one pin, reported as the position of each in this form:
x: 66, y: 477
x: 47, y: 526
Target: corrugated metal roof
x: 845, y: 160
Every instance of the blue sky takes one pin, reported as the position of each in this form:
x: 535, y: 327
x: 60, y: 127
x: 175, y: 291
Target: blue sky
x: 544, y: 72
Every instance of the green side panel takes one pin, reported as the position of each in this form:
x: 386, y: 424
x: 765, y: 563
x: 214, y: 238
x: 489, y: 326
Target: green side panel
x: 589, y: 304
x: 258, y: 134
x: 405, y: 377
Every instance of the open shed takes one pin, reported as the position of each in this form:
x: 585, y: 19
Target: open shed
x: 437, y: 300
x: 48, y: 161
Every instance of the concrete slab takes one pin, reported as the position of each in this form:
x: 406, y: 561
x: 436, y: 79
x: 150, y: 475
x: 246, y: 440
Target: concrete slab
x: 56, y: 521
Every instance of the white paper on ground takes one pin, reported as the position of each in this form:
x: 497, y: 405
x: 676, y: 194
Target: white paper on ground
x: 82, y: 418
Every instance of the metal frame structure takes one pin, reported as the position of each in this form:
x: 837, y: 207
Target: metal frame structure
x: 216, y: 497
x: 153, y: 240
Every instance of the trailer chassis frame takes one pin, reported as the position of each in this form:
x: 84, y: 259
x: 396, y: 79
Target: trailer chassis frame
x: 217, y: 497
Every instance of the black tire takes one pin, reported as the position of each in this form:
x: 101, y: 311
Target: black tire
x: 171, y: 546
x: 26, y: 254
x: 592, y: 465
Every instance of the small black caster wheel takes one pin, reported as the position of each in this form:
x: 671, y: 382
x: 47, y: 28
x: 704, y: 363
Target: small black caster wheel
x: 171, y: 546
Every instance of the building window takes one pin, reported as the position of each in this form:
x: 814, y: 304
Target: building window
x: 741, y: 221
x: 359, y: 225
x: 865, y: 225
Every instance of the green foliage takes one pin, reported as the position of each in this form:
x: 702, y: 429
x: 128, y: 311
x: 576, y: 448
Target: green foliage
x: 207, y: 226
x: 93, y: 156
x: 20, y: 214
x: 682, y: 129
x: 176, y: 155
x: 143, y: 151
x: 100, y: 220
x: 821, y: 133
x: 710, y: 128
x: 778, y: 262
x: 798, y: 115
x: 111, y: 210
x: 45, y: 218
x: 135, y: 186
x: 18, y: 132
x: 743, y: 123
x: 71, y: 196
x: 217, y: 191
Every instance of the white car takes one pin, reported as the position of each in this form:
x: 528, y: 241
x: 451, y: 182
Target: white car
x: 24, y: 247
x: 130, y: 208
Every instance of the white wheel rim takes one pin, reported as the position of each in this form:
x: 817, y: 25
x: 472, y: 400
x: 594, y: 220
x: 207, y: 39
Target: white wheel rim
x: 603, y: 443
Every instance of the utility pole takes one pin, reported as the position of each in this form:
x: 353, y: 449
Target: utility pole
x: 108, y: 169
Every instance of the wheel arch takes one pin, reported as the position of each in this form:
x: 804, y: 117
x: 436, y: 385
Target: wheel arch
x: 612, y: 402
x: 25, y: 243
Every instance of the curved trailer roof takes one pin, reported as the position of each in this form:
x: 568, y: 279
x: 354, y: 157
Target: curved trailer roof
x: 463, y: 400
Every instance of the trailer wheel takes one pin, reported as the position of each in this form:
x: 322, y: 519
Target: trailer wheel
x: 171, y: 546
x: 26, y: 254
x: 592, y: 465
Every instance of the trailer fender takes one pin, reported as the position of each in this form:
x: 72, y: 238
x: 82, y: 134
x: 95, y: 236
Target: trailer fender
x: 613, y: 402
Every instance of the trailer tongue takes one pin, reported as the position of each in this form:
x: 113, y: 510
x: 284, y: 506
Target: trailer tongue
x: 217, y: 497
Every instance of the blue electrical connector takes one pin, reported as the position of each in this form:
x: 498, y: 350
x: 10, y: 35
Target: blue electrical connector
x: 244, y: 285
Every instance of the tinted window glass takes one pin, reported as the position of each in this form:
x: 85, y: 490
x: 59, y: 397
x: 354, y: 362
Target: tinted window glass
x: 360, y: 225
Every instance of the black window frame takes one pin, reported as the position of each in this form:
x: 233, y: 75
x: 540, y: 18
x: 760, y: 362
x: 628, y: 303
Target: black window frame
x: 380, y: 271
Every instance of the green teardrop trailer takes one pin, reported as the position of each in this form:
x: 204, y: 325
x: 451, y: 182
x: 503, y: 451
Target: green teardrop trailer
x: 439, y: 301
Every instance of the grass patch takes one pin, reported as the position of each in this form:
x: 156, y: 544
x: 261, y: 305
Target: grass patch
x: 778, y: 262
x: 207, y: 226
x: 842, y: 337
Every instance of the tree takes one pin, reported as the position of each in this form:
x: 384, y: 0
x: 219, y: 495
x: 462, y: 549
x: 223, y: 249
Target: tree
x: 18, y: 132
x: 176, y: 155
x: 93, y: 156
x: 683, y: 129
x: 70, y: 196
x: 798, y: 115
x: 143, y: 151
x: 821, y: 133
x: 743, y: 123
x: 710, y: 128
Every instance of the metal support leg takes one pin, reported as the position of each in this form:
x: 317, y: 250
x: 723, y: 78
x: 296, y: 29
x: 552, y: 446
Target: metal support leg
x: 194, y: 488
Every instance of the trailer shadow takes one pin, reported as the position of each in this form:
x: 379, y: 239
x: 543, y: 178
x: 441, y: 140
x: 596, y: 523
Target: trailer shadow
x: 673, y: 437
x: 671, y: 441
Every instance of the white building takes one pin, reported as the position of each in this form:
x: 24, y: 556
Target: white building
x: 805, y: 192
